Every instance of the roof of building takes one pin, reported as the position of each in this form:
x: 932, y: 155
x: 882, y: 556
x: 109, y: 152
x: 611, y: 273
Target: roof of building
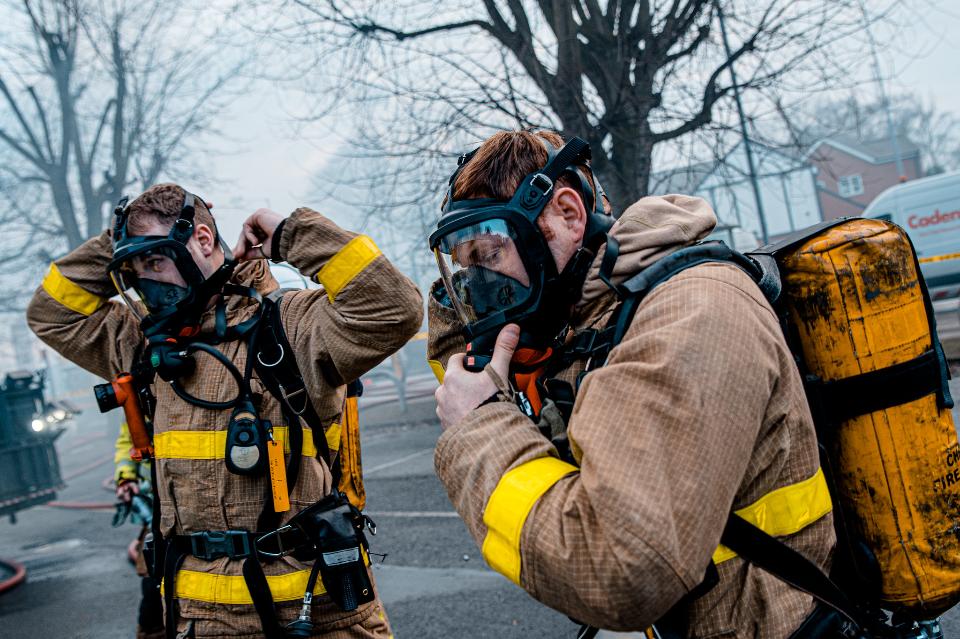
x: 879, y: 151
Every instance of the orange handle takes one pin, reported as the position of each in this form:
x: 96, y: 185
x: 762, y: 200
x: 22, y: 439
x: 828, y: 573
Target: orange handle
x: 127, y: 397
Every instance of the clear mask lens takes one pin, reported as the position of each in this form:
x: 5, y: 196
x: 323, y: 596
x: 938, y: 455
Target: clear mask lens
x: 482, y: 269
x: 150, y: 281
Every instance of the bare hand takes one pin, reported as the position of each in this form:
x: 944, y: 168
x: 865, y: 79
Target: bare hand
x: 462, y: 391
x: 126, y: 489
x: 256, y: 238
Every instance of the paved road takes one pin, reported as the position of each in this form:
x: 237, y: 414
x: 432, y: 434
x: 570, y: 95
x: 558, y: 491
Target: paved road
x: 433, y: 579
x: 948, y: 326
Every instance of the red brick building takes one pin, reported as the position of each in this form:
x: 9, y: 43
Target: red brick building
x: 851, y: 173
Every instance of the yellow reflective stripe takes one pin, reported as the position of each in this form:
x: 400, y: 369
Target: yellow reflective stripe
x: 355, y: 256
x: 207, y: 444
x: 333, y: 436
x: 437, y: 369
x: 232, y: 589
x: 939, y: 258
x: 785, y: 511
x: 508, y: 508
x: 69, y: 294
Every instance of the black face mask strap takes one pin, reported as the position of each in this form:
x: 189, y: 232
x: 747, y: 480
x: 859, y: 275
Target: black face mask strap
x: 120, y: 220
x: 183, y: 228
x: 574, y: 152
x: 461, y: 162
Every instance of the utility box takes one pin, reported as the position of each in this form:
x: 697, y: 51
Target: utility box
x: 29, y: 426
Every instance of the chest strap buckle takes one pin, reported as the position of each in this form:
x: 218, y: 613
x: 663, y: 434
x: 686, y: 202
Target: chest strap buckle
x: 214, y: 544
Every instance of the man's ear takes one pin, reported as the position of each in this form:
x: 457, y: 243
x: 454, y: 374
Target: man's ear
x: 206, y: 239
x: 568, y: 205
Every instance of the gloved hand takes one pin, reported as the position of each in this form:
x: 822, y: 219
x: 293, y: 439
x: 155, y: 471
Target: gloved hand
x: 126, y: 489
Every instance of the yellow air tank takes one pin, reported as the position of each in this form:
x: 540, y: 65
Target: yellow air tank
x: 854, y: 304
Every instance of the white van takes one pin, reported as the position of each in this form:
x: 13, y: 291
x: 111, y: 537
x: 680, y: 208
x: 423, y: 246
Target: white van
x: 928, y: 209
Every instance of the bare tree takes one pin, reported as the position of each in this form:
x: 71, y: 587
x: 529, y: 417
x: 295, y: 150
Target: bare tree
x: 626, y: 76
x: 101, y: 96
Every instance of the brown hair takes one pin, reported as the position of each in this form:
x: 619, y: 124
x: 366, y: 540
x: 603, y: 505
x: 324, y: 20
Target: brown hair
x: 162, y: 203
x: 503, y: 159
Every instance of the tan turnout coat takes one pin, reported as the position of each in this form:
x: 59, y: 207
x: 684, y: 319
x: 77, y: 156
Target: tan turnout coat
x: 699, y: 410
x: 368, y: 310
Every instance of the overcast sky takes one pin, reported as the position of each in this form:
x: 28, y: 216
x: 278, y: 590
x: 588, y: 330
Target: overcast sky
x: 278, y: 157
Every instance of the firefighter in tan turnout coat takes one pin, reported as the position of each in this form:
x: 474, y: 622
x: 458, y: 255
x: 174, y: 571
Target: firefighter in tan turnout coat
x: 698, y: 411
x: 366, y: 310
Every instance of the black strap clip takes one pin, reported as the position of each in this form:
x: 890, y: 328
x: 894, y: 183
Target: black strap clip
x: 214, y: 544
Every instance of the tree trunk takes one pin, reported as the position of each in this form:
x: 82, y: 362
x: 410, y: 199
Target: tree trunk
x: 628, y: 165
x: 65, y: 210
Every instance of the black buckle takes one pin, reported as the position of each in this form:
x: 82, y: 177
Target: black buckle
x: 584, y: 342
x: 214, y: 544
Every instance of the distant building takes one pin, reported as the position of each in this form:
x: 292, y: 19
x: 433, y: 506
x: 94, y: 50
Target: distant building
x: 850, y: 173
x: 788, y: 192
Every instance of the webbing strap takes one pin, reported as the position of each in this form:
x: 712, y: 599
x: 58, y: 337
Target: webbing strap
x: 842, y: 399
x: 171, y: 565
x: 787, y: 564
x: 262, y: 598
x: 597, y: 344
x: 277, y: 368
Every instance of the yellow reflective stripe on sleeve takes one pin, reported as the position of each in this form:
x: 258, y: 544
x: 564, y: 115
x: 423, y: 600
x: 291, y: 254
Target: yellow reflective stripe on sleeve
x: 69, y: 294
x: 232, y: 589
x: 510, y: 504
x: 333, y: 436
x: 437, y: 369
x: 355, y: 256
x: 785, y: 511
x: 206, y: 444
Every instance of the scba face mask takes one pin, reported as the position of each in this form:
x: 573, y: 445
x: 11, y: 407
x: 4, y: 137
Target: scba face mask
x: 495, y: 263
x: 157, y: 276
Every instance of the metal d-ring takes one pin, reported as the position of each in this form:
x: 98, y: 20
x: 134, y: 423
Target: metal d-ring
x: 283, y: 551
x: 279, y: 359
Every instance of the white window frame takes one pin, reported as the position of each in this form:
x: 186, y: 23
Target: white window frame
x: 850, y: 185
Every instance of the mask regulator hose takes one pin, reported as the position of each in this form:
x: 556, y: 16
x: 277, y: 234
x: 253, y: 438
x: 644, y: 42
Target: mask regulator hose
x: 185, y: 354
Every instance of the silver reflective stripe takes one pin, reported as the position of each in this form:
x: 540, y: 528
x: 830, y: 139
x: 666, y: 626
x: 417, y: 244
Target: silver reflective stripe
x: 338, y: 557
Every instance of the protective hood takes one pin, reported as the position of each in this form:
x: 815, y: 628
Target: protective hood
x: 647, y: 231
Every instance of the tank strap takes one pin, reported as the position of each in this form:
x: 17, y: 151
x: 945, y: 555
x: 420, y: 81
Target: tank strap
x: 777, y: 558
x: 595, y: 344
x: 842, y: 399
x: 277, y: 368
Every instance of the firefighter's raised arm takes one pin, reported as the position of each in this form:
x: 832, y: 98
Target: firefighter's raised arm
x: 71, y: 311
